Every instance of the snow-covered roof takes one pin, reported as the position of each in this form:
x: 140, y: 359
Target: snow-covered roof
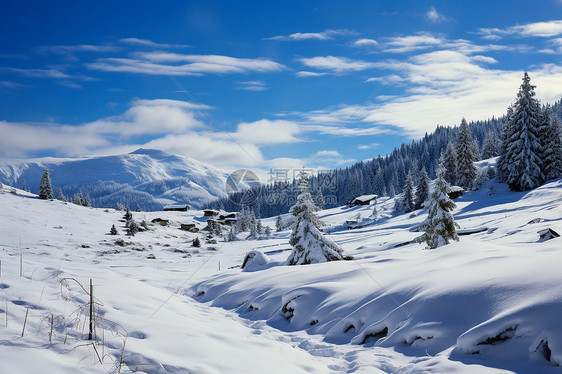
x: 366, y: 197
x: 456, y: 189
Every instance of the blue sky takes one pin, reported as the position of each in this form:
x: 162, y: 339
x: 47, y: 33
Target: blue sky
x: 263, y: 84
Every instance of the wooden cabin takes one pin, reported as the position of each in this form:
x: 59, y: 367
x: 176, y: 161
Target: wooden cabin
x: 455, y: 191
x: 363, y: 200
x: 210, y: 212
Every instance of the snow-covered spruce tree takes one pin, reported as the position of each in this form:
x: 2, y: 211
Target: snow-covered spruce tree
x: 422, y: 191
x: 450, y: 164
x: 196, y: 242
x: 45, y: 188
x: 113, y: 230
x: 502, y: 164
x: 279, y: 223
x: 490, y: 146
x: 309, y: 244
x: 552, y: 151
x: 523, y: 148
x: 408, y: 203
x: 439, y: 227
x: 466, y: 156
x: 60, y: 195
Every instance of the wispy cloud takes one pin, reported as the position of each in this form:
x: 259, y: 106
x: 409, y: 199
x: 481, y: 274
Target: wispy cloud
x: 305, y: 74
x: 443, y: 87
x: 324, y: 35
x: 433, y: 16
x: 65, y: 49
x: 338, y: 65
x: 150, y: 43
x: 365, y: 43
x: 252, y: 86
x: 163, y: 63
x: 38, y: 73
x: 368, y: 146
x: 12, y: 85
x: 401, y: 44
x: 535, y: 29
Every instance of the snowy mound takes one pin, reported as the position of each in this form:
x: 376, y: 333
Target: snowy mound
x: 148, y: 177
x: 494, y: 298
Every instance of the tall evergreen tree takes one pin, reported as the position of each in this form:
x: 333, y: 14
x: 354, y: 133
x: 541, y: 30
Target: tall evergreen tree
x: 450, y: 164
x: 308, y: 242
x: 502, y: 164
x: 466, y: 156
x: 490, y: 147
x: 60, y: 195
x: 552, y: 149
x: 408, y: 203
x: 45, y: 187
x: 422, y: 191
x: 523, y: 146
x: 440, y: 226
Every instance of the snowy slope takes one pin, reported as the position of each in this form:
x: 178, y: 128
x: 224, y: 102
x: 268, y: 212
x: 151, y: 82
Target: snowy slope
x: 149, y: 177
x: 489, y: 303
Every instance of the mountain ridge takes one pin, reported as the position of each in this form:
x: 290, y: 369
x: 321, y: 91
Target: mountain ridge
x: 149, y: 178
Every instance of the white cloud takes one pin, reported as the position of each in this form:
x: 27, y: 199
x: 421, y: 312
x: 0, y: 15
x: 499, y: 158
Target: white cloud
x: 20, y: 139
x: 38, y: 73
x: 267, y: 131
x: 305, y: 74
x: 205, y: 147
x: 535, y: 29
x: 324, y: 35
x: 365, y: 43
x: 252, y: 86
x: 150, y: 43
x: 433, y: 16
x: 162, y: 63
x: 149, y: 117
x: 401, y: 44
x: 387, y: 79
x: 337, y: 65
x: 368, y: 146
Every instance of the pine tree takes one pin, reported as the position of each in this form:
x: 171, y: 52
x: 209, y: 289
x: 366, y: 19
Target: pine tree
x: 440, y: 227
x: 132, y: 228
x: 502, y: 165
x: 279, y: 223
x: 523, y: 146
x: 196, y: 242
x: 45, y: 188
x: 466, y: 156
x: 490, y: 147
x: 450, y: 164
x: 408, y: 197
x: 308, y: 242
x: 60, y: 195
x: 552, y: 150
x: 137, y: 209
x: 422, y: 191
x: 113, y: 230
x: 267, y: 231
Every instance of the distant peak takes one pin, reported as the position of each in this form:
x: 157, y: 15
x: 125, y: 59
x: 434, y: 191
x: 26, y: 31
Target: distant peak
x: 149, y: 152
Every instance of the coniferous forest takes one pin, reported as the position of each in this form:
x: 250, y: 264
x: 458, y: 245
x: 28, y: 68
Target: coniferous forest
x: 457, y: 146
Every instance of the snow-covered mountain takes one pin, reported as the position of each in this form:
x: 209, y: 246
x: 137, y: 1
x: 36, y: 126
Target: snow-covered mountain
x: 148, y: 177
